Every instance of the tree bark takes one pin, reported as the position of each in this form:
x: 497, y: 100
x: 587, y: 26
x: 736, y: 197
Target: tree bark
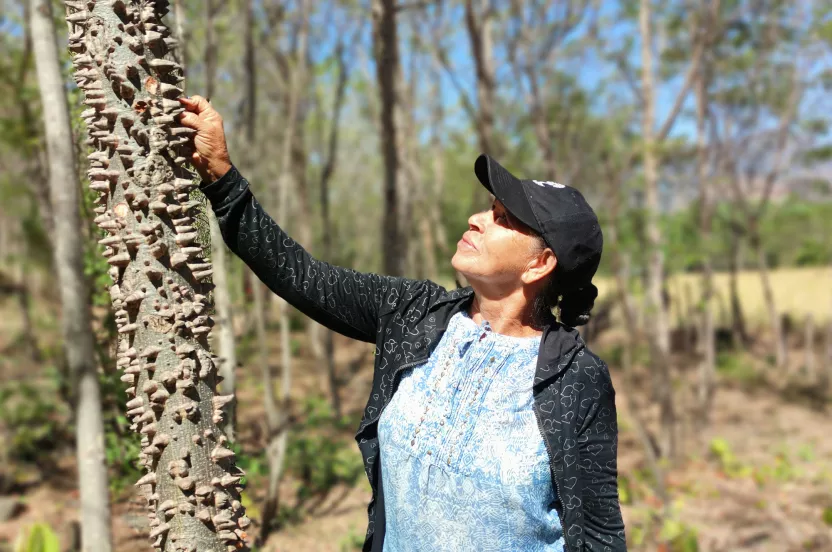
x: 123, y: 60
x: 326, y: 219
x: 739, y: 336
x: 658, y: 331
x: 183, y: 36
x: 386, y: 53
x: 76, y: 328
x: 478, y: 22
x: 224, y: 318
x: 707, y: 365
x: 780, y: 350
x: 809, y: 348
x: 278, y: 414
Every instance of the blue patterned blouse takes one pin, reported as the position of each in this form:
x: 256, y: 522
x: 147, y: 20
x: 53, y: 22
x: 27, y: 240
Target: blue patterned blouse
x: 463, y: 463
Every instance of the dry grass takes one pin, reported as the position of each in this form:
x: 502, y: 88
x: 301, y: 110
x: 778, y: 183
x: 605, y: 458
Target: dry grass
x: 797, y: 292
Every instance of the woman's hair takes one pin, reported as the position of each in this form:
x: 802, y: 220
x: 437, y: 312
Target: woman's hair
x: 574, y: 307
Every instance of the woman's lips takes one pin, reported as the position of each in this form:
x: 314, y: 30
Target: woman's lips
x: 467, y: 243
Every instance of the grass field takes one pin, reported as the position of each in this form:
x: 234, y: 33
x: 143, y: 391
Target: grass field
x: 797, y: 292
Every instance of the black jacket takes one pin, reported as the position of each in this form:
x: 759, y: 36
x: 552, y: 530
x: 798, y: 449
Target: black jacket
x: 574, y: 400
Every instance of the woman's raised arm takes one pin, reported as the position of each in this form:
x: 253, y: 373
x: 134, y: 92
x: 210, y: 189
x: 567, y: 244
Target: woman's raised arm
x: 344, y: 300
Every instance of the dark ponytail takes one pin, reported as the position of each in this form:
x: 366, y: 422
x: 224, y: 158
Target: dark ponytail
x: 574, y: 306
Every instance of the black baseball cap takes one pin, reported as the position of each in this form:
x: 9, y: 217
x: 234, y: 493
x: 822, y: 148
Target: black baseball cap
x: 558, y: 213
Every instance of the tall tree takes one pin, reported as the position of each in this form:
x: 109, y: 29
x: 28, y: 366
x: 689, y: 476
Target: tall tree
x: 277, y: 413
x: 79, y: 343
x: 330, y: 163
x: 388, y: 71
x: 656, y: 310
x: 123, y: 63
x: 219, y: 257
x: 707, y: 337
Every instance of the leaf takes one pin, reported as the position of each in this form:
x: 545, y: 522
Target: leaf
x: 39, y: 538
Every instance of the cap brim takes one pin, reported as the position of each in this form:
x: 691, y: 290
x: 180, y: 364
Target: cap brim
x: 507, y: 188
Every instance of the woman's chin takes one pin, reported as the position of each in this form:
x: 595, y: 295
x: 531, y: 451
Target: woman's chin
x: 462, y: 262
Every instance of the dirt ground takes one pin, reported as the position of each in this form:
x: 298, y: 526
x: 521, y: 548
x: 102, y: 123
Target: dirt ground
x: 766, y: 487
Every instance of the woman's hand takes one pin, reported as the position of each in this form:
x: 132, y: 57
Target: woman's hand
x: 211, y: 158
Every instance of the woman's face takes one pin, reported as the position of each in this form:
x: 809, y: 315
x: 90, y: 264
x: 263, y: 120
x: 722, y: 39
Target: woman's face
x: 499, y: 249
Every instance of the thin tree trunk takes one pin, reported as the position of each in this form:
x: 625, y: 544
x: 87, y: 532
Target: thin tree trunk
x: 809, y: 347
x: 780, y: 351
x: 707, y: 365
x: 182, y: 35
x: 739, y: 336
x: 219, y: 257
x: 326, y: 176
x: 386, y: 52
x: 24, y: 299
x: 278, y: 415
x: 656, y: 311
x: 192, y: 485
x: 79, y: 343
x: 478, y: 21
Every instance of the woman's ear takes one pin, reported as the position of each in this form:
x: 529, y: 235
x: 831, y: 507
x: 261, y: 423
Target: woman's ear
x: 540, y: 266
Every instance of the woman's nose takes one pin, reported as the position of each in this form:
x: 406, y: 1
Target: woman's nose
x: 475, y: 221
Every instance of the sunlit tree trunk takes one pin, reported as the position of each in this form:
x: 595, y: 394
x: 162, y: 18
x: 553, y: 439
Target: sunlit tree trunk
x: 386, y: 53
x: 326, y: 219
x: 123, y: 63
x: 277, y: 413
x: 219, y: 257
x: 707, y: 341
x: 809, y: 348
x: 739, y: 335
x: 656, y: 313
x: 79, y: 343
x: 780, y: 349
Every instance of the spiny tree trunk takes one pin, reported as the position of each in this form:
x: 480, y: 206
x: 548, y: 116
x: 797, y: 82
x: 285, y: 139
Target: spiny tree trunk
x: 123, y: 64
x: 738, y: 334
x: 79, y: 343
x: 386, y: 53
x: 219, y: 258
x: 658, y: 331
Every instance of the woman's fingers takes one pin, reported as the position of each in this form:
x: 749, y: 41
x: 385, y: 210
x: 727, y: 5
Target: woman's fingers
x: 195, y: 103
x: 189, y: 119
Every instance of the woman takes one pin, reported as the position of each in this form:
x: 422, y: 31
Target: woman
x: 490, y: 426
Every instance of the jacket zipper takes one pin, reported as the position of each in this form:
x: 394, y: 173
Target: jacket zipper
x: 554, y: 480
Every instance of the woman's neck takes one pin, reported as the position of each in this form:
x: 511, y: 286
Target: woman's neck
x: 511, y: 314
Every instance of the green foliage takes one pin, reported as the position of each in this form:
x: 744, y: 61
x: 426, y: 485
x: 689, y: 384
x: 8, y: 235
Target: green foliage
x: 316, y: 457
x: 121, y: 451
x: 827, y: 516
x: 37, y: 538
x: 352, y: 541
x: 33, y: 419
x: 737, y: 367
x: 679, y: 536
x: 720, y: 449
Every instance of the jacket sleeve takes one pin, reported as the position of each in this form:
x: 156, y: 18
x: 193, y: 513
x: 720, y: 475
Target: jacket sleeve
x: 344, y: 300
x: 598, y: 452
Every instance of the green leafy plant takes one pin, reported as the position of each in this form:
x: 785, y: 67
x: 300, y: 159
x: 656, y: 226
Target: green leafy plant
x: 720, y: 449
x: 351, y: 541
x: 33, y: 418
x: 37, y: 538
x: 122, y: 454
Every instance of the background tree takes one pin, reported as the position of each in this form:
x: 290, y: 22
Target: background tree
x: 75, y: 316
